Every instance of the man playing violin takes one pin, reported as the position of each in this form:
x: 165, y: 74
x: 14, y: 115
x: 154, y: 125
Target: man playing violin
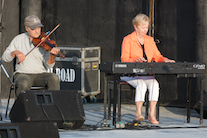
x: 31, y: 70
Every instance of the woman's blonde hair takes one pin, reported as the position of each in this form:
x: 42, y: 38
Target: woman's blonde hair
x: 140, y: 18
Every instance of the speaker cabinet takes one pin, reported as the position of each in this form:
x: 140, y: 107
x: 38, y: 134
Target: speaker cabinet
x: 29, y: 130
x: 65, y: 107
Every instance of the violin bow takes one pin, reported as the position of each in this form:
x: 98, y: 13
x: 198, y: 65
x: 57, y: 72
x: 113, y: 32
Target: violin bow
x: 42, y: 40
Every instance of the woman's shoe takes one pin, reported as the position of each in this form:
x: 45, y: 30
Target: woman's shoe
x: 153, y: 121
x: 139, y: 118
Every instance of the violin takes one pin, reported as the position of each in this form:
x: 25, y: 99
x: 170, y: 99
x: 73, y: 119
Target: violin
x: 47, y: 44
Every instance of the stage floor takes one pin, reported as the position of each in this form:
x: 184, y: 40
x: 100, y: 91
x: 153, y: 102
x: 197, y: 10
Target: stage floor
x: 173, y: 123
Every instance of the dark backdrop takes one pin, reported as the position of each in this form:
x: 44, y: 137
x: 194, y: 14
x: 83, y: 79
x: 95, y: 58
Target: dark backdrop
x: 104, y: 23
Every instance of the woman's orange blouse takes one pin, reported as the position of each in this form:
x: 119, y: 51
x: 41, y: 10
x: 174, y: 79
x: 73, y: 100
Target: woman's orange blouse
x: 132, y: 50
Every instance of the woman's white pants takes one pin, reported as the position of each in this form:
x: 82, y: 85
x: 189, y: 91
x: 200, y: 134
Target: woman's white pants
x: 141, y: 84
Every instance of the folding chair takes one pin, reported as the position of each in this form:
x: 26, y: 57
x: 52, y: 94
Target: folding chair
x: 12, y: 83
x: 13, y: 87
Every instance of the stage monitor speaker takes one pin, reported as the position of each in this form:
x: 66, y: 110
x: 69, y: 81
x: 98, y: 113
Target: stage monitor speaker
x: 29, y: 130
x: 197, y: 106
x: 65, y: 107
